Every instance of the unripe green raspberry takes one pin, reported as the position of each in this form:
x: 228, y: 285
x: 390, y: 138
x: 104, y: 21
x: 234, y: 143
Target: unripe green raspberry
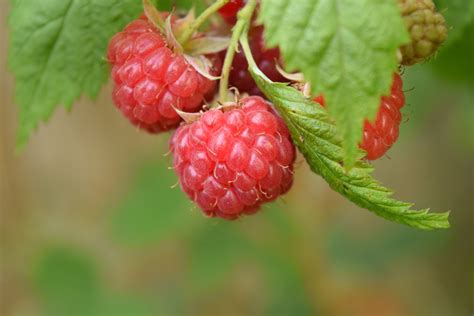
x: 427, y: 29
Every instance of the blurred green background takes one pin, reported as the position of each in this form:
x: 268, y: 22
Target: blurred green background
x: 91, y: 226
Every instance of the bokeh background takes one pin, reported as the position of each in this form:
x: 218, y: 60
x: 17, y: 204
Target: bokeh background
x: 91, y: 226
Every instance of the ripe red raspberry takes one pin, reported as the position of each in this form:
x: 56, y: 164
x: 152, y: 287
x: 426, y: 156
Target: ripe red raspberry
x: 265, y: 58
x: 229, y: 11
x: 233, y: 160
x: 150, y: 79
x: 380, y: 135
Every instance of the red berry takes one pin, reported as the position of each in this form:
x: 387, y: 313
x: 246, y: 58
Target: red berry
x: 380, y: 135
x: 229, y: 11
x: 265, y: 58
x: 232, y: 161
x: 151, y: 79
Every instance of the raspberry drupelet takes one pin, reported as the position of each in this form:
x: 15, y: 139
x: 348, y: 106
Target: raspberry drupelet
x: 234, y: 159
x: 380, y: 135
x: 151, y: 79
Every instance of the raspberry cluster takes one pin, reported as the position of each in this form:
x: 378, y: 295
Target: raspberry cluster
x: 231, y: 159
x: 234, y: 159
x: 151, y: 80
x: 380, y: 135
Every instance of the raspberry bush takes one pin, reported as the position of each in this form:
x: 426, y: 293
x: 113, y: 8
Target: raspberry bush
x: 232, y: 149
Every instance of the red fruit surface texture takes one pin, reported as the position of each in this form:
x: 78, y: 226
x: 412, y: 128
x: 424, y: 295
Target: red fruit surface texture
x: 380, y: 135
x: 150, y: 79
x: 230, y: 162
x: 266, y: 59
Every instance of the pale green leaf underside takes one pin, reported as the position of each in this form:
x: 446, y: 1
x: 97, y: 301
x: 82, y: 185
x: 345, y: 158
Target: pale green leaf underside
x: 346, y: 50
x: 317, y: 138
x: 57, y: 52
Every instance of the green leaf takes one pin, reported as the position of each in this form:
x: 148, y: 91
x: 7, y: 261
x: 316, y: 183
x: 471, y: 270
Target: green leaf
x: 346, y: 49
x: 57, y: 52
x: 317, y: 138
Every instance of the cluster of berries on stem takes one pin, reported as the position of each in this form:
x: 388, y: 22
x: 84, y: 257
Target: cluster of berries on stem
x: 230, y: 156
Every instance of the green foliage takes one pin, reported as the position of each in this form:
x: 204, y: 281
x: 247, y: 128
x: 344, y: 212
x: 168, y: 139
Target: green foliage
x: 316, y: 137
x: 57, y: 52
x: 347, y: 51
x: 457, y: 53
x: 354, y: 252
x: 153, y: 210
x: 215, y: 251
x: 213, y: 248
x: 68, y: 283
x: 290, y: 299
x: 458, y: 14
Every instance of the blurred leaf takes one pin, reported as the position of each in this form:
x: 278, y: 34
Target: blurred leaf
x: 285, y: 283
x: 351, y: 251
x: 120, y: 305
x: 152, y: 210
x: 218, y: 250
x: 455, y: 62
x: 214, y: 252
x: 458, y: 14
x: 68, y: 284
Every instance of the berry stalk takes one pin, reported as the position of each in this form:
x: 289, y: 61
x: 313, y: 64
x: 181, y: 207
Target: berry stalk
x: 240, y: 28
x: 196, y: 24
x: 244, y: 42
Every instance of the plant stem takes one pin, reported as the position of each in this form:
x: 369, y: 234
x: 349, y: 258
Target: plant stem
x: 194, y: 26
x: 244, y: 43
x: 243, y: 22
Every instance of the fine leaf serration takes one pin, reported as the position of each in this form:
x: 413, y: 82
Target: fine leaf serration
x: 57, y: 52
x: 317, y: 138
